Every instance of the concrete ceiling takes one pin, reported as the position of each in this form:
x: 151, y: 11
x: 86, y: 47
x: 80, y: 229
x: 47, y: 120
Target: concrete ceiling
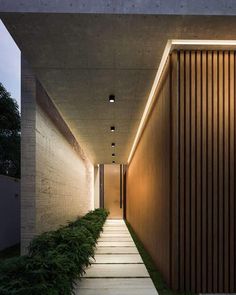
x: 82, y: 58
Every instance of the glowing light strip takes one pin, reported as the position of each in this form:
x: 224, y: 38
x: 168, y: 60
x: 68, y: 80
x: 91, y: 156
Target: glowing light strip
x: 150, y: 98
x: 204, y: 42
x: 169, y: 46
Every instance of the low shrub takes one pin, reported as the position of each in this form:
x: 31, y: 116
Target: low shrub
x: 56, y: 259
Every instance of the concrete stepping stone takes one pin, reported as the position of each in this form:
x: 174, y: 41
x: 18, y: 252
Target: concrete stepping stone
x: 114, y: 235
x: 117, y: 270
x: 116, y: 244
x: 114, y: 258
x: 115, y: 239
x: 116, y: 286
x: 116, y: 250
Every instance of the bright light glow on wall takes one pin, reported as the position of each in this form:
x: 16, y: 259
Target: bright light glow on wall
x: 171, y: 45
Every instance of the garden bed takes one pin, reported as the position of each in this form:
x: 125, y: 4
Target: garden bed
x: 56, y: 259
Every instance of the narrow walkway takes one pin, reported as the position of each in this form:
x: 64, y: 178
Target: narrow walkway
x: 118, y: 268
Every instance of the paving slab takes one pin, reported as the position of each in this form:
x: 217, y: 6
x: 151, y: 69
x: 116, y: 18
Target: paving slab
x: 115, y: 229
x: 114, y: 225
x: 115, y: 239
x: 116, y: 250
x: 114, y: 258
x: 114, y: 235
x: 116, y: 244
x: 116, y: 286
x: 116, y: 270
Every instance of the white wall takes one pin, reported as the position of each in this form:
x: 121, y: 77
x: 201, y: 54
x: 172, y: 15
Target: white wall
x: 96, y: 187
x: 9, y: 211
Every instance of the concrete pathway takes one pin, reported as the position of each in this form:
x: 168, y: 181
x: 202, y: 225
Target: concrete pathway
x: 118, y: 268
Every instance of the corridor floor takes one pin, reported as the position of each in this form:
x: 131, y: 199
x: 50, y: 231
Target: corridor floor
x: 118, y: 268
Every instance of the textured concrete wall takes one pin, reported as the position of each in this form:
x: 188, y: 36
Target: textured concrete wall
x: 28, y: 151
x: 64, y: 181
x: 57, y: 180
x: 9, y: 211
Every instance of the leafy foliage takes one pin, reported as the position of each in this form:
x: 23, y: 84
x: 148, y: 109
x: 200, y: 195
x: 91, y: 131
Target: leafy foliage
x: 9, y: 134
x: 56, y: 259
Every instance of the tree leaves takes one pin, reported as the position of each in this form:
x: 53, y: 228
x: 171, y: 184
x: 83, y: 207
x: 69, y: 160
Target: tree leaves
x: 9, y: 134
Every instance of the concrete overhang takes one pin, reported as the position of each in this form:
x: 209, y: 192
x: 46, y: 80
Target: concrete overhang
x: 158, y: 7
x: 82, y: 58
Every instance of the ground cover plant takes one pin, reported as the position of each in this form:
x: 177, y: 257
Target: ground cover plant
x: 157, y: 278
x: 56, y: 259
x: 10, y: 252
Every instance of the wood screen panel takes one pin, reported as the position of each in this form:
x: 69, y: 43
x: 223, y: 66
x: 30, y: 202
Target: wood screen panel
x: 189, y: 229
x: 206, y: 130
x: 148, y: 181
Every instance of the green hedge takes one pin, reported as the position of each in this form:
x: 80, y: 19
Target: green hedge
x: 56, y: 259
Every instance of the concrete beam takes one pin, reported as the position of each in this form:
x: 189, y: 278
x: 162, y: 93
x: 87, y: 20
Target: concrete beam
x: 159, y: 7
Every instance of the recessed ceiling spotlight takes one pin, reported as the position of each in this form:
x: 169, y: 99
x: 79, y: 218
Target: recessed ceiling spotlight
x: 113, y: 144
x: 112, y: 128
x: 113, y: 162
x: 112, y: 98
x: 113, y: 155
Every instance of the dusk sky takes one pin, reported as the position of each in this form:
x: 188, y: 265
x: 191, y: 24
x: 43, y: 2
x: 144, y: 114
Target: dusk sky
x: 9, y: 63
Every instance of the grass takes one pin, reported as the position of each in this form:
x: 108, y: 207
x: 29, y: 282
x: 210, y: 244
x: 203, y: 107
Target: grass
x: 157, y: 278
x: 10, y: 252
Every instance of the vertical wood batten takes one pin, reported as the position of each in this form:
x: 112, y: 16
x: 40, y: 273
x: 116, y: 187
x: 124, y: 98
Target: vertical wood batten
x: 215, y: 172
x: 231, y: 171
x: 221, y: 174
x: 209, y: 171
x: 187, y: 170
x: 174, y: 206
x: 193, y: 128
x: 226, y: 170
x: 182, y: 171
x: 203, y: 75
x: 198, y: 202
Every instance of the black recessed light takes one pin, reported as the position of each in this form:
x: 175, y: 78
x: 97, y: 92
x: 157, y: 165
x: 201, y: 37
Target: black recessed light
x: 113, y: 144
x: 112, y: 98
x: 113, y: 155
x: 112, y: 128
x: 113, y: 162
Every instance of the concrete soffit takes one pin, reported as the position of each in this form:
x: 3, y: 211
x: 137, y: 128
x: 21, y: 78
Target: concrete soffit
x: 109, y: 54
x: 159, y: 7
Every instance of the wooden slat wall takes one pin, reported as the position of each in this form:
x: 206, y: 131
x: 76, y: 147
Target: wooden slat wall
x: 206, y: 129
x: 189, y: 229
x: 148, y: 180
